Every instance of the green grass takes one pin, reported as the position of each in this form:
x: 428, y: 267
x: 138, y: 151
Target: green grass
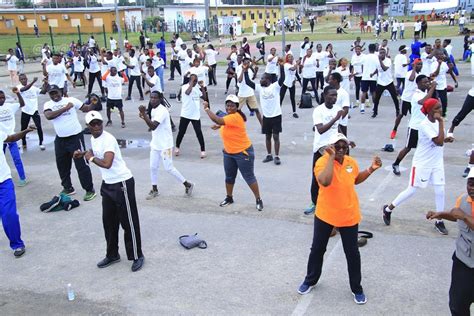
x: 328, y: 33
x: 32, y: 45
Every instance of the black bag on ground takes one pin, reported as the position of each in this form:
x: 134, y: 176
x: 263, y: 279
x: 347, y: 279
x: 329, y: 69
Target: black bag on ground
x: 306, y: 102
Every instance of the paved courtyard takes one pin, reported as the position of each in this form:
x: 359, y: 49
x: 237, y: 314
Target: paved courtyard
x: 255, y: 260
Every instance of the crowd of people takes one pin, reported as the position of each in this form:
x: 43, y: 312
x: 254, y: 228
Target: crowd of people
x: 418, y: 81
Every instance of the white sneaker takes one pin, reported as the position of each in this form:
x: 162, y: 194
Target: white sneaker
x: 42, y: 147
x: 176, y: 152
x: 203, y: 154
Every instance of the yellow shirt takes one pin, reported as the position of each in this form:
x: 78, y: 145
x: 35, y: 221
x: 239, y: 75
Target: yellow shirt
x: 338, y: 204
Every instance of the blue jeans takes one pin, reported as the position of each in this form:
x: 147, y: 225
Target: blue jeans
x: 159, y: 72
x: 10, y: 218
x: 13, y: 147
x: 244, y: 162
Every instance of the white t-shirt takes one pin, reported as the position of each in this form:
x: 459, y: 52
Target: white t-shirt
x: 113, y: 44
x: 356, y: 62
x: 78, y: 62
x: 244, y: 90
x: 135, y: 71
x: 462, y: 20
x: 426, y: 69
x: 190, y: 108
x: 395, y: 26
x: 179, y: 42
x: 157, y: 62
x: 11, y: 64
x: 417, y: 26
x: 118, y: 62
x: 416, y: 115
x: 211, y: 56
x: 91, y: 42
x: 270, y: 99
x: 200, y: 72
x: 410, y: 87
x: 67, y: 124
x: 7, y: 117
x: 156, y: 81
x: 118, y: 172
x: 162, y: 136
x: 345, y: 84
x: 441, y: 77
x: 5, y: 173
x: 323, y: 58
x: 428, y: 154
x: 272, y: 66
x: 56, y: 74
x: 400, y: 60
x: 304, y: 48
x: 93, y: 65
x: 370, y: 62
x: 343, y: 101
x: 114, y: 87
x: 31, y: 99
x: 309, y: 67
x: 323, y: 115
x: 402, y: 26
x: 233, y: 60
x: 385, y: 77
x: 290, y: 75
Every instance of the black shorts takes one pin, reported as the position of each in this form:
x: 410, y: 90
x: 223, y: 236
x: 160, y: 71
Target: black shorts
x: 271, y: 125
x: 114, y: 104
x: 412, y: 138
x: 365, y: 85
x: 406, y: 107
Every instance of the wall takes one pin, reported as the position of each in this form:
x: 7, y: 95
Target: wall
x: 58, y: 23
x: 245, y: 13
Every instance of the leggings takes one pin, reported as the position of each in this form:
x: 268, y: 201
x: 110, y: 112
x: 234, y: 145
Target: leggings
x: 25, y: 120
x: 357, y: 81
x: 378, y: 93
x: 229, y: 79
x: 292, y: 96
x: 319, y: 79
x: 443, y: 96
x: 410, y: 191
x: 314, y: 184
x: 92, y: 77
x: 183, y: 126
x: 313, y: 85
x: 467, y: 108
x: 322, y: 231
x: 400, y: 83
x: 81, y: 77
x: 130, y: 85
x: 212, y: 74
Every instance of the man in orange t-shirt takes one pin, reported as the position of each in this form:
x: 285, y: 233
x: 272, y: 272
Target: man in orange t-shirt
x: 338, y: 206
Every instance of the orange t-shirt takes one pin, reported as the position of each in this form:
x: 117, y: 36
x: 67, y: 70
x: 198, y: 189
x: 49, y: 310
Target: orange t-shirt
x: 468, y: 199
x: 234, y: 134
x: 338, y: 204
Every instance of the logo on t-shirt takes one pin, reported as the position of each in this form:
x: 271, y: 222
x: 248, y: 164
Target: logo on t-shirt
x: 349, y: 169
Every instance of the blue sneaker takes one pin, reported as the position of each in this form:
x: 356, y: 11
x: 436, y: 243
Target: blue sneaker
x: 305, y: 288
x: 360, y: 299
x: 310, y: 209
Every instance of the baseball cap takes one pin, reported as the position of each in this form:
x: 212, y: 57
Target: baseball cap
x: 232, y: 98
x: 53, y: 87
x: 93, y: 115
x: 402, y: 48
x: 338, y: 137
x: 471, y: 174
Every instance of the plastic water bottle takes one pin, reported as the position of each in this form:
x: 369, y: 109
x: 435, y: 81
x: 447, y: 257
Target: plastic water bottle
x: 70, y: 293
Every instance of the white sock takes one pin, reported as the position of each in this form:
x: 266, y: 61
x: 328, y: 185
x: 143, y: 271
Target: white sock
x: 387, y: 209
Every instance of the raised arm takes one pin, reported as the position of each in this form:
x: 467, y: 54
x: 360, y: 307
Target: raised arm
x: 325, y: 177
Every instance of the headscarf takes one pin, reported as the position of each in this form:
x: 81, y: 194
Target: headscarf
x: 428, y: 105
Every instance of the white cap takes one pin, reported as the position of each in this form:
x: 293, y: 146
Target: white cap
x: 93, y: 115
x: 471, y: 173
x: 338, y: 137
x: 232, y: 98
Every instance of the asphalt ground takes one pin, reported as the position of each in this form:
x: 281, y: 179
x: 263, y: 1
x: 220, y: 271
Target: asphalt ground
x: 255, y: 260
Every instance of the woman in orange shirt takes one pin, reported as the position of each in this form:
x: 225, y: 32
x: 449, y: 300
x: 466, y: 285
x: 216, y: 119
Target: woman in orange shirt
x: 338, y: 206
x: 238, y: 149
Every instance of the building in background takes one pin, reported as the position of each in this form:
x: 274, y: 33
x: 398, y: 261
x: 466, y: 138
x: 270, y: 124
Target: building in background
x: 365, y: 8
x: 405, y: 7
x: 66, y: 20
